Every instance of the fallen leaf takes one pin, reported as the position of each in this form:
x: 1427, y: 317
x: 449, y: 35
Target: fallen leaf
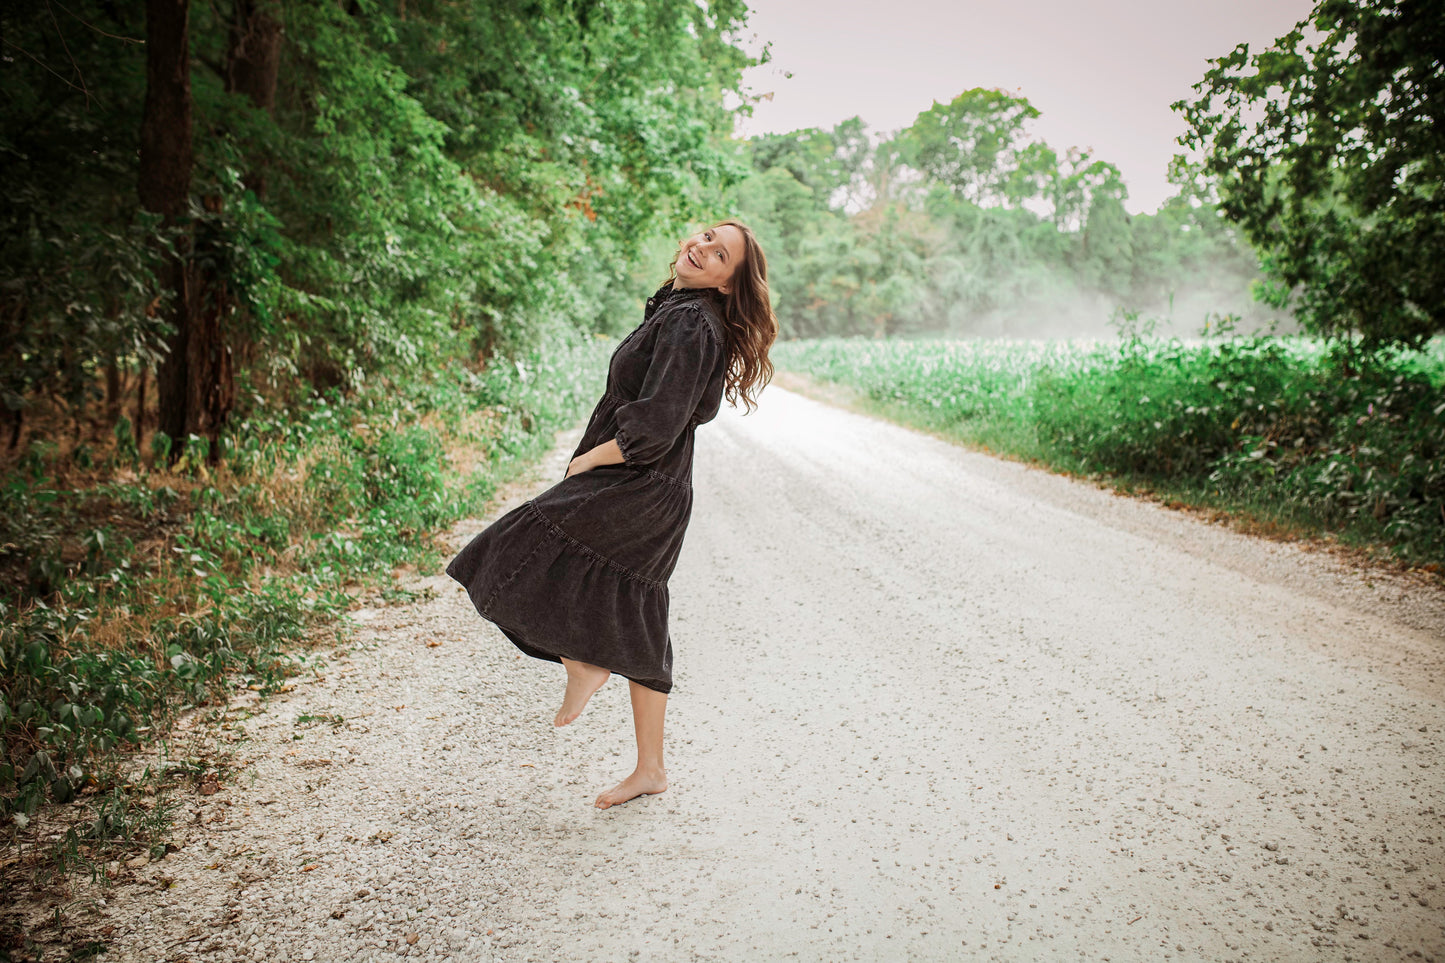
x: 432, y: 645
x: 309, y: 867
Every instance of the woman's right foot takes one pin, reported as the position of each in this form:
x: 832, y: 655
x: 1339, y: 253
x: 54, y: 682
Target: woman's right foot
x: 583, y: 679
x: 640, y: 783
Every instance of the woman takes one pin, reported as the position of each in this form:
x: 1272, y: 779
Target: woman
x: 578, y: 575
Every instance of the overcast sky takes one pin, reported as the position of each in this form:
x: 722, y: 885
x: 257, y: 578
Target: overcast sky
x: 1101, y: 72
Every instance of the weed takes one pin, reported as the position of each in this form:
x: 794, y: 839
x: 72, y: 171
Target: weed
x: 131, y: 592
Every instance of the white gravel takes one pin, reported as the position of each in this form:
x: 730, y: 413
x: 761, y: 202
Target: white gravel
x: 929, y: 705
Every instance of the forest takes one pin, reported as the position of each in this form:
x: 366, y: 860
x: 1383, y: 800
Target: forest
x: 286, y: 288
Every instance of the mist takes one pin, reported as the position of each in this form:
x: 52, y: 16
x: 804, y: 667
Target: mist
x: 965, y: 224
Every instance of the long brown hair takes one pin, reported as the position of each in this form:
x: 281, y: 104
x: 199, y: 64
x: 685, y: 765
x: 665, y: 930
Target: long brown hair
x: 748, y: 318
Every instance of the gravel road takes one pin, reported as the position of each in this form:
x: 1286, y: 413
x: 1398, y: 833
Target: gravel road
x: 929, y: 705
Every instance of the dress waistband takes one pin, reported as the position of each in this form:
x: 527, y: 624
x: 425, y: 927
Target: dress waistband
x: 667, y: 478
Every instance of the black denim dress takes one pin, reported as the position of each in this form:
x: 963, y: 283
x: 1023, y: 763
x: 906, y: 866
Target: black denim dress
x: 581, y: 570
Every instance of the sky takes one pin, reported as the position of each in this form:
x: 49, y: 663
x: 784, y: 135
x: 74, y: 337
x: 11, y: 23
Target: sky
x: 1102, y: 73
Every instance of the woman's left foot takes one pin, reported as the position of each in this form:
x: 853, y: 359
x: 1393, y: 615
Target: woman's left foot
x: 583, y: 679
x: 638, y: 784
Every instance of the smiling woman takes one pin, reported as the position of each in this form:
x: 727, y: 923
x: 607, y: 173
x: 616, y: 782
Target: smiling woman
x: 578, y: 575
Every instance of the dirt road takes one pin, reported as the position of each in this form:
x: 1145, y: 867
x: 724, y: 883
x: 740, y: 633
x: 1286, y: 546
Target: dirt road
x: 929, y: 705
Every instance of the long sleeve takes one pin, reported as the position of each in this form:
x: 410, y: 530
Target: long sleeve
x: 685, y: 356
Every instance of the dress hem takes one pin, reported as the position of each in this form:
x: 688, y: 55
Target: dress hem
x: 528, y: 649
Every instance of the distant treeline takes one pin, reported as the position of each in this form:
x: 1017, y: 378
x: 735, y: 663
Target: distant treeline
x: 965, y: 223
x: 1311, y: 185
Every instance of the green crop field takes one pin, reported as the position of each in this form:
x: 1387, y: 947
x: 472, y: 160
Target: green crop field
x: 1278, y: 430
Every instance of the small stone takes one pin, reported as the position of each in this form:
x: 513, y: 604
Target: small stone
x: 1272, y: 846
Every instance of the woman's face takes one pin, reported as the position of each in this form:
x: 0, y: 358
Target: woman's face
x: 708, y: 259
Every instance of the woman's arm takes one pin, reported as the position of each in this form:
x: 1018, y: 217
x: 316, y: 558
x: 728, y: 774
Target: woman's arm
x: 606, y: 453
x: 686, y: 355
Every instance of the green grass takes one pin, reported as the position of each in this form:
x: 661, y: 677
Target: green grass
x: 1278, y: 430
x: 130, y: 592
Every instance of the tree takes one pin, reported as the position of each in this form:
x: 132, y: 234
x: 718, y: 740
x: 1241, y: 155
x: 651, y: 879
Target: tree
x: 164, y: 185
x: 1076, y: 183
x: 975, y: 144
x: 832, y: 164
x: 1329, y: 153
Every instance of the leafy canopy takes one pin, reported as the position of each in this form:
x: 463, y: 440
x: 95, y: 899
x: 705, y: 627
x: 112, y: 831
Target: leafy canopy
x: 1328, y: 151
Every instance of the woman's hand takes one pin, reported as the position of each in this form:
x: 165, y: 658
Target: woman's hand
x: 580, y: 464
x: 606, y: 453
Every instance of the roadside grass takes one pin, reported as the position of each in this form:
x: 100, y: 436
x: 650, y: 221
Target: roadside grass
x: 131, y: 593
x: 1284, y: 435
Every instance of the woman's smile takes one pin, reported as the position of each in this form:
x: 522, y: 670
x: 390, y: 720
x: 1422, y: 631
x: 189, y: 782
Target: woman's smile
x: 708, y: 260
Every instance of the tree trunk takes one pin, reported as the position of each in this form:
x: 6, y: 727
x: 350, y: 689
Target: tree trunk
x: 140, y: 409
x: 254, y: 58
x: 253, y: 63
x: 165, y: 186
x: 212, y: 388
x: 112, y: 392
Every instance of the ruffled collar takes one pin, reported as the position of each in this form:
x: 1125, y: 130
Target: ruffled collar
x: 668, y: 293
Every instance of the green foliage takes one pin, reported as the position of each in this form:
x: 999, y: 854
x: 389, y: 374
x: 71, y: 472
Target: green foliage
x: 977, y: 147
x: 100, y: 645
x: 77, y: 256
x: 829, y: 164
x: 436, y: 180
x: 1280, y: 427
x: 966, y: 223
x: 1326, y: 150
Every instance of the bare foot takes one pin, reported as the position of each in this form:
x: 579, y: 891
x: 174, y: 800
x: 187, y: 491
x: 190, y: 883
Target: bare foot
x: 638, y: 784
x: 583, y: 679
